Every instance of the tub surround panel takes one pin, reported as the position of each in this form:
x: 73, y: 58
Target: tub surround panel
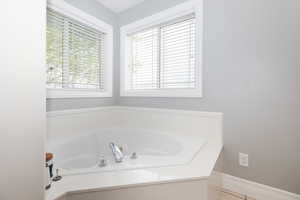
x: 191, y: 124
x: 192, y: 190
x: 196, y: 124
x: 201, y: 190
x: 67, y: 123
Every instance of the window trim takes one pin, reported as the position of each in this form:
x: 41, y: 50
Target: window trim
x: 170, y: 14
x: 78, y: 15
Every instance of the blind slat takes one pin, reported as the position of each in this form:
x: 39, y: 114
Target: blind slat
x: 75, y: 54
x: 163, y: 56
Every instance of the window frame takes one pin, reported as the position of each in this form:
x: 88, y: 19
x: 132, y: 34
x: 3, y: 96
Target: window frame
x: 181, y: 10
x: 64, y: 8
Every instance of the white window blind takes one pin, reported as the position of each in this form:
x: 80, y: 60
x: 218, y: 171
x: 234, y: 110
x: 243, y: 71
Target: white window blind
x: 75, y: 54
x: 163, y: 57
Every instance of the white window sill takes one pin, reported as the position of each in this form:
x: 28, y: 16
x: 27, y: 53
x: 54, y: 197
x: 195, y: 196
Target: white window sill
x: 187, y: 93
x: 75, y: 93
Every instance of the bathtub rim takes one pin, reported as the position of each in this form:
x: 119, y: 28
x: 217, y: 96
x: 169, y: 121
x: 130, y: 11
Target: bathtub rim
x: 199, y: 169
x: 199, y: 113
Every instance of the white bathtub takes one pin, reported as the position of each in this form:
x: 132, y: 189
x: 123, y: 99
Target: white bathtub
x: 82, y: 154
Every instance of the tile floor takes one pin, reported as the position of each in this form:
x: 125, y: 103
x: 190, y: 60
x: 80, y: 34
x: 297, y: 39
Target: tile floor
x: 234, y: 196
x: 229, y: 197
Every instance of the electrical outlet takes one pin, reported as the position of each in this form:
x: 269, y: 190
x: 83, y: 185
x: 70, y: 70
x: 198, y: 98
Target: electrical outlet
x: 243, y: 159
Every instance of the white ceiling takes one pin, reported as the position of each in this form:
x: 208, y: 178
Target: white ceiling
x: 119, y: 5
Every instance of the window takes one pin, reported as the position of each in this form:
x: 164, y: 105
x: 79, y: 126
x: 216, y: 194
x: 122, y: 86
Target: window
x: 162, y: 58
x: 76, y: 57
x: 74, y: 54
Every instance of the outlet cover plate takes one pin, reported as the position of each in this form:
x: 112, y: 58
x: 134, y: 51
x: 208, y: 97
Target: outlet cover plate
x: 244, y: 160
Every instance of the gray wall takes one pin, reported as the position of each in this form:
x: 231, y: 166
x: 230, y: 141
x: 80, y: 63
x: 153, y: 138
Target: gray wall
x: 251, y: 74
x: 97, y: 10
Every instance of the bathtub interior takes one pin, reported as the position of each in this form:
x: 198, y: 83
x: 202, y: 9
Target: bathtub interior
x: 82, y: 154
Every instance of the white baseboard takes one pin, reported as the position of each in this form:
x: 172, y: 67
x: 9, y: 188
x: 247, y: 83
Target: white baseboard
x: 256, y: 190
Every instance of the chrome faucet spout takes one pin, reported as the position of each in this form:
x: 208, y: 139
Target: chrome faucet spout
x: 117, y: 153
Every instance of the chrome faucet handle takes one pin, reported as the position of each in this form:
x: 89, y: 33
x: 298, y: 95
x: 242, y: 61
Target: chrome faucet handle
x: 102, y: 163
x: 133, y: 155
